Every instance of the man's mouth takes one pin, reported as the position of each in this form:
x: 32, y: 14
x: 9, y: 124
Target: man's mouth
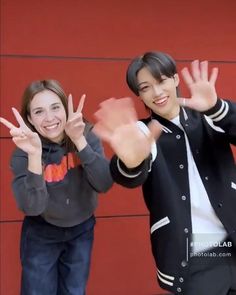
x: 160, y: 101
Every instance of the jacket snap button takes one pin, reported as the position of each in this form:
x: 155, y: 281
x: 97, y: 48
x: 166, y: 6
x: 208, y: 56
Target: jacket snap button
x: 186, y: 230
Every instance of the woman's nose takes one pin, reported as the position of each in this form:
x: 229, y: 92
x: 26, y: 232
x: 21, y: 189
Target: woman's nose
x: 49, y: 116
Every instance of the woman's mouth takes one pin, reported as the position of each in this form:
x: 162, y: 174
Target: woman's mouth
x: 51, y: 127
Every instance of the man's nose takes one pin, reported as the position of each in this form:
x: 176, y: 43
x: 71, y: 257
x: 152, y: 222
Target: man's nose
x: 157, y: 90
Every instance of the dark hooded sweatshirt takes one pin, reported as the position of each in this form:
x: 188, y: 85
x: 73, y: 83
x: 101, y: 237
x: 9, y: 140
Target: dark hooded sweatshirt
x: 66, y: 193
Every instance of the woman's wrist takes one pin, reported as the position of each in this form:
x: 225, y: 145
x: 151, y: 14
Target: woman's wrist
x: 81, y: 143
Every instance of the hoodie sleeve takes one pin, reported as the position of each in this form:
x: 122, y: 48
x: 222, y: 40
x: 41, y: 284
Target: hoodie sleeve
x: 95, y: 165
x: 29, y: 189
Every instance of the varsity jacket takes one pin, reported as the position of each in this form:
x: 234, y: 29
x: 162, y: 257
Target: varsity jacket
x: 66, y: 193
x: 166, y: 190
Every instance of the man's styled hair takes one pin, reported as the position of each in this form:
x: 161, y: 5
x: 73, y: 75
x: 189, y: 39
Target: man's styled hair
x: 158, y: 63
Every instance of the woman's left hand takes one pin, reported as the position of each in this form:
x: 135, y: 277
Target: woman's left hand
x: 75, y: 125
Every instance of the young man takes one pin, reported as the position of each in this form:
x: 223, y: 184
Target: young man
x: 188, y: 179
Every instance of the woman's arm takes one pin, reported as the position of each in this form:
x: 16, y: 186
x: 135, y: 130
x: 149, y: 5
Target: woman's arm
x: 29, y: 188
x: 95, y: 165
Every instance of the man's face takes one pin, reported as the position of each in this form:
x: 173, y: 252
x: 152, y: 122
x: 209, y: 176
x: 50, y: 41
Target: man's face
x: 159, y: 95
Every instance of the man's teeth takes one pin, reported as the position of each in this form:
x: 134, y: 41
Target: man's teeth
x: 160, y: 101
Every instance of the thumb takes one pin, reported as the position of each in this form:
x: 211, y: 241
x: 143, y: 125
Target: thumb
x: 155, y: 129
x: 184, y: 102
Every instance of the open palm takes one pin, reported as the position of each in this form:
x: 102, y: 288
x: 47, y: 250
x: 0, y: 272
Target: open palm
x: 202, y: 89
x: 117, y: 125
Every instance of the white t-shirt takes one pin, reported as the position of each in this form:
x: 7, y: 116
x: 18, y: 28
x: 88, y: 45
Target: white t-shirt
x: 207, y: 229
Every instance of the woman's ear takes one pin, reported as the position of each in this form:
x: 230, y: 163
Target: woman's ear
x: 176, y: 79
x: 29, y: 119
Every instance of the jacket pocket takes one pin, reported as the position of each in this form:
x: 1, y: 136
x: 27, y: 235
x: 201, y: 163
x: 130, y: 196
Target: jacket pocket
x: 160, y: 223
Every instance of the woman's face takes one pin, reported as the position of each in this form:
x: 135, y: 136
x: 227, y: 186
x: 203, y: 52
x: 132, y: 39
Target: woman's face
x: 159, y: 95
x: 48, y: 115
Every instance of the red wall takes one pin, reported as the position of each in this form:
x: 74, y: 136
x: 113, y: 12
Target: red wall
x: 86, y: 45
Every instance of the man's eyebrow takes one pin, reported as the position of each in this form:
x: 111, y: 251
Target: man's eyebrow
x: 142, y: 83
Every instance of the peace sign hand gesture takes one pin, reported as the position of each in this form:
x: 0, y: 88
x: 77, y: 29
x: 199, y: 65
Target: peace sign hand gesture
x: 23, y: 136
x: 202, y: 88
x: 75, y: 125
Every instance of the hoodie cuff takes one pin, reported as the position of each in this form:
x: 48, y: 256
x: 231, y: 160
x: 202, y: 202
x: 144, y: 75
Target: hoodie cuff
x: 34, y: 181
x: 86, y: 155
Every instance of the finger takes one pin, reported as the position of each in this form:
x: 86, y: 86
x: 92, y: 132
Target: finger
x: 186, y: 76
x: 17, y: 132
x: 182, y: 101
x: 7, y: 123
x: 75, y: 118
x: 185, y: 102
x: 126, y: 106
x: 102, y: 132
x: 108, y: 102
x: 204, y: 70
x: 18, y: 140
x: 195, y: 70
x: 70, y: 105
x: 19, y: 119
x: 122, y: 108
x: 155, y: 129
x: 81, y: 104
x: 98, y: 115
x: 214, y: 75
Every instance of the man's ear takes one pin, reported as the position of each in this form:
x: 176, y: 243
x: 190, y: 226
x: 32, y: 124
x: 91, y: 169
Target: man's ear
x: 176, y: 79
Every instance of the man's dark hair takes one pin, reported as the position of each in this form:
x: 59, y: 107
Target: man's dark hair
x: 158, y: 63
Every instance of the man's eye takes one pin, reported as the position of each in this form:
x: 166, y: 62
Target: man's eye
x: 144, y: 88
x: 163, y: 80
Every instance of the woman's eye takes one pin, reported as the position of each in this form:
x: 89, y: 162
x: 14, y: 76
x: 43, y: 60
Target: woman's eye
x: 56, y: 107
x: 38, y: 112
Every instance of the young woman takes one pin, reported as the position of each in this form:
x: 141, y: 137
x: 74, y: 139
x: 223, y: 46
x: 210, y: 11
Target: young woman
x: 59, y: 169
x: 189, y: 180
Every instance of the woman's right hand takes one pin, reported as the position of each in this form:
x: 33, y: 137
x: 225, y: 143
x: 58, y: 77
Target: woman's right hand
x: 23, y: 137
